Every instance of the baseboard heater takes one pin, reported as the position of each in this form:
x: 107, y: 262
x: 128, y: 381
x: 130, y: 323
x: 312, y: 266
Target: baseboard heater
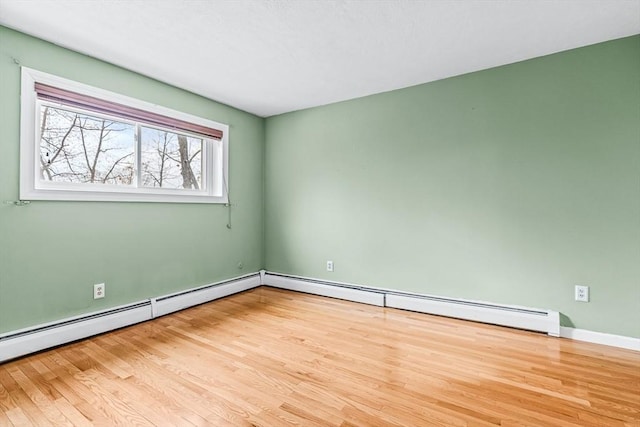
x: 30, y: 340
x: 532, y: 319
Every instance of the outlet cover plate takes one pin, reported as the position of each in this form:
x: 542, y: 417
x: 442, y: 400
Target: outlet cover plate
x: 582, y: 293
x: 98, y: 290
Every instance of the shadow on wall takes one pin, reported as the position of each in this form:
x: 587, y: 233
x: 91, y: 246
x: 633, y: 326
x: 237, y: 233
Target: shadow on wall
x: 566, y: 321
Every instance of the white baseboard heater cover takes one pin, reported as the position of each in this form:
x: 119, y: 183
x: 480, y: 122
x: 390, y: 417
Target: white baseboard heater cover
x: 326, y: 289
x: 181, y: 300
x: 19, y: 343
x: 63, y: 332
x: 25, y: 341
x: 517, y: 317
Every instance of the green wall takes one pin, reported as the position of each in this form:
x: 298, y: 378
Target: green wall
x: 509, y: 185
x: 51, y: 253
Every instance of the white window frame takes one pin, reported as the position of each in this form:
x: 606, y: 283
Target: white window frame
x: 215, y: 168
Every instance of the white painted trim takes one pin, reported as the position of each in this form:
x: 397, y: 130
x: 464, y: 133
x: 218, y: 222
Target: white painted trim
x: 46, y: 338
x: 68, y: 319
x: 324, y: 289
x: 216, y: 153
x: 491, y: 313
x: 485, y: 314
x: 534, y: 319
x: 154, y: 308
x: 173, y: 303
x: 39, y: 337
x: 398, y: 292
x: 620, y: 341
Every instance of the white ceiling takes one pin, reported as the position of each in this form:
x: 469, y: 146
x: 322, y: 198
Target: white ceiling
x: 273, y: 56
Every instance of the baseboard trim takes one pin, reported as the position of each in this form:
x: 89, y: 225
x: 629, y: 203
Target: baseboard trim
x: 619, y: 341
x: 179, y: 301
x: 325, y: 289
x: 51, y: 334
x: 479, y: 311
x: 66, y: 331
x: 540, y: 321
x: 547, y: 321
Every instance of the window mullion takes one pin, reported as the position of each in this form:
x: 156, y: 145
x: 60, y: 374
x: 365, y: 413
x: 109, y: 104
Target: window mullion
x: 207, y: 174
x: 117, y: 181
x: 138, y: 183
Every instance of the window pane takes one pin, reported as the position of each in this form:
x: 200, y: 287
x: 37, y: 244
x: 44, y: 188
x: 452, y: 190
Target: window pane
x: 170, y: 160
x: 76, y: 147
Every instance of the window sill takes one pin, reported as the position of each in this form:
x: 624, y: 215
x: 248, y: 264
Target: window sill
x: 120, y: 196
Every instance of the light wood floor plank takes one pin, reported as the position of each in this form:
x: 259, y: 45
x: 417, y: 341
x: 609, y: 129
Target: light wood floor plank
x: 270, y: 358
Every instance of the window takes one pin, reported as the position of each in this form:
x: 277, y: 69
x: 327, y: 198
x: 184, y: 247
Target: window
x: 83, y: 143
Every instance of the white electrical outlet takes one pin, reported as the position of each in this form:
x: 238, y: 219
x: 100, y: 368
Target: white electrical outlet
x: 98, y: 290
x: 582, y: 293
x: 329, y: 265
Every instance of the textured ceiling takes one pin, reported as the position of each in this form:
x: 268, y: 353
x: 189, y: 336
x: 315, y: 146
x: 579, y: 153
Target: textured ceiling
x: 271, y: 57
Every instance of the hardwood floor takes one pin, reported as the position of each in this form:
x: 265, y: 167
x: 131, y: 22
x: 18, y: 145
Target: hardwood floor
x: 268, y: 357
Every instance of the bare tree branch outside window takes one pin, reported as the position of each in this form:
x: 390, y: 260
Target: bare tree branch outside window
x: 79, y: 148
x: 170, y: 160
